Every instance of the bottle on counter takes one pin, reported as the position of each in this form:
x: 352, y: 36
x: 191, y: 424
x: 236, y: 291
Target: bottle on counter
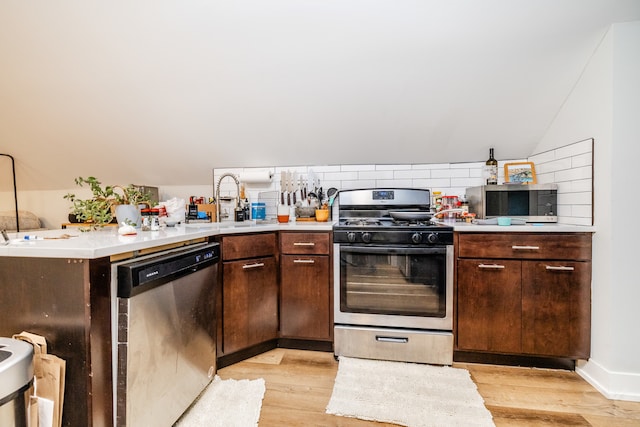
x: 491, y: 169
x: 245, y: 208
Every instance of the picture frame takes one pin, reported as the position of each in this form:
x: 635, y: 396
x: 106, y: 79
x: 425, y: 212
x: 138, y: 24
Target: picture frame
x: 520, y: 173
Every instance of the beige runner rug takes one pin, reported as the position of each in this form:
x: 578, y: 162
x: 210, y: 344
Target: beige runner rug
x: 407, y: 394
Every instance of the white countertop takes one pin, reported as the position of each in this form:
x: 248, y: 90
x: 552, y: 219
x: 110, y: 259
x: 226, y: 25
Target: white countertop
x: 107, y: 241
x: 528, y: 228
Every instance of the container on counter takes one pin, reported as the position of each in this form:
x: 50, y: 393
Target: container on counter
x: 448, y: 203
x: 437, y: 200
x: 258, y: 211
x: 146, y: 219
x: 154, y: 219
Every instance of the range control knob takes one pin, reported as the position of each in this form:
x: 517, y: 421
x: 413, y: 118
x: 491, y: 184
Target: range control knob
x: 351, y: 236
x: 416, y: 238
x: 433, y: 238
x: 366, y: 237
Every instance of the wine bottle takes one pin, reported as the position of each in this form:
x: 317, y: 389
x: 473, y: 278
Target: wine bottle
x: 491, y: 169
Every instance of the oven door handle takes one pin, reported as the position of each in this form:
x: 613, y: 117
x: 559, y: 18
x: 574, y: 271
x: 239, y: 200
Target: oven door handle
x: 393, y: 250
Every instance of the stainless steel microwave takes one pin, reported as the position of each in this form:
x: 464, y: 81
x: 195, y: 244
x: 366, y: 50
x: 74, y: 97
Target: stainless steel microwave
x: 532, y: 202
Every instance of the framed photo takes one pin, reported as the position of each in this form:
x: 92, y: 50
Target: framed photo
x: 520, y: 173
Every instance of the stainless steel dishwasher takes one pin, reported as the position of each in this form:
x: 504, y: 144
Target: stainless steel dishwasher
x: 164, y: 348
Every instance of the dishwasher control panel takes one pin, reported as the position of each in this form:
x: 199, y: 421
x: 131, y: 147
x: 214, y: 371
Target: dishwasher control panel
x: 144, y: 274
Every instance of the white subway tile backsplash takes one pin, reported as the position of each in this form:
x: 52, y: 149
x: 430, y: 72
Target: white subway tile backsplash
x: 394, y: 183
x: 574, y: 174
x: 466, y: 182
x: 375, y: 175
x: 576, y: 198
x: 546, y: 178
x: 572, y: 150
x: 585, y: 185
x: 357, y: 168
x: 412, y: 173
x: 341, y: 176
x: 392, y: 167
x: 437, y: 166
x: 581, y: 211
x: 553, y: 166
x: 547, y: 156
x: 580, y: 160
x: 570, y: 167
x: 439, y: 182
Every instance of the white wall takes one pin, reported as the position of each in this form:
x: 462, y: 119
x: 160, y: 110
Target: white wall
x: 605, y: 106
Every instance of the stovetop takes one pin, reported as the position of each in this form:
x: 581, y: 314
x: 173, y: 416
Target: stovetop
x: 387, y: 222
x: 365, y: 217
x: 390, y: 232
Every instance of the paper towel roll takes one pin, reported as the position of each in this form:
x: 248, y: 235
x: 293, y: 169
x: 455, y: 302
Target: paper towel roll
x: 261, y: 177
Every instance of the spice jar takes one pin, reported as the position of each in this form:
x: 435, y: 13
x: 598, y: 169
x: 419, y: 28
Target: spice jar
x: 146, y: 219
x: 154, y: 221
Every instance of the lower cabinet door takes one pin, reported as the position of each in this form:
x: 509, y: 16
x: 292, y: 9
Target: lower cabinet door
x: 489, y: 305
x: 305, y: 297
x: 250, y: 303
x: 556, y: 308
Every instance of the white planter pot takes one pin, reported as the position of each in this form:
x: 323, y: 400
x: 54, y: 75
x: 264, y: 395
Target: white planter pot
x: 129, y: 214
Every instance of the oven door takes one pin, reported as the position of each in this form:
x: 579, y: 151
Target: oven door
x: 393, y: 286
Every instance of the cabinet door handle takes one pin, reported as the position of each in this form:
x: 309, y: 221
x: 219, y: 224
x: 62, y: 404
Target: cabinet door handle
x: 304, y: 261
x: 559, y: 268
x: 491, y: 266
x: 254, y: 265
x: 525, y: 248
x: 304, y: 244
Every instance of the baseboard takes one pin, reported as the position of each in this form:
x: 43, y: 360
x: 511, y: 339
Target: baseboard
x: 300, y: 344
x: 613, y: 385
x: 513, y: 360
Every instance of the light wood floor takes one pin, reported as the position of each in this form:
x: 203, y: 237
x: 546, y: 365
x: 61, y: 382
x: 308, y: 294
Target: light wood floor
x: 299, y: 384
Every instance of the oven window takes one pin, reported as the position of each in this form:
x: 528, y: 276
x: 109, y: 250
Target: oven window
x: 411, y: 284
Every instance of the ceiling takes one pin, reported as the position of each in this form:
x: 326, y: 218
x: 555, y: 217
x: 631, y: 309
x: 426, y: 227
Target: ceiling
x: 160, y: 92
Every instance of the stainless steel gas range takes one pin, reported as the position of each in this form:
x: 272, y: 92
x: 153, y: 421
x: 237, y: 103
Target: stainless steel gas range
x: 393, y: 284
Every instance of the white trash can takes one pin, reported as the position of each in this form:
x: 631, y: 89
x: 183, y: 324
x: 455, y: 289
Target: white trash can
x: 16, y: 376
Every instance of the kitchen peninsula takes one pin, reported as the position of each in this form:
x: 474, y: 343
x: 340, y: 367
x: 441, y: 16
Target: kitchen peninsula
x: 61, y: 287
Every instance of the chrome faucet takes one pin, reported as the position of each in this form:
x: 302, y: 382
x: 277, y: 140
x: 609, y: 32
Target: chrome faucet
x: 224, y: 175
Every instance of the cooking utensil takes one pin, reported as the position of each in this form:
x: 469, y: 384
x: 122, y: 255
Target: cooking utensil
x: 331, y: 194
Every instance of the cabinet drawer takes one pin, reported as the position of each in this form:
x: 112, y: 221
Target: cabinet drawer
x: 248, y: 246
x: 573, y: 246
x: 304, y: 243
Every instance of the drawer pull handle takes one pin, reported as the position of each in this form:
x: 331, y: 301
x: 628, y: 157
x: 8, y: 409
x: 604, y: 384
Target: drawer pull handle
x: 254, y: 265
x: 304, y: 244
x: 491, y: 266
x: 559, y: 268
x: 303, y: 261
x: 525, y: 248
x: 397, y: 340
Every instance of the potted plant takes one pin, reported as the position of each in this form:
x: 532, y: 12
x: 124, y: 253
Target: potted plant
x: 100, y: 209
x: 127, y: 204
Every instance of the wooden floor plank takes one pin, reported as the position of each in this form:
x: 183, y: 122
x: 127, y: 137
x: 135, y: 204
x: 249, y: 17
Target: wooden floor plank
x: 299, y: 385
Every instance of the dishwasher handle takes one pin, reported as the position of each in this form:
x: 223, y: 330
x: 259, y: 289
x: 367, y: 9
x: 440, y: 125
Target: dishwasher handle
x: 135, y: 277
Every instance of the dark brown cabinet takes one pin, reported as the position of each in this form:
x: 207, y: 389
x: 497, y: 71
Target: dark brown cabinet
x: 524, y: 293
x: 248, y: 299
x: 305, y: 291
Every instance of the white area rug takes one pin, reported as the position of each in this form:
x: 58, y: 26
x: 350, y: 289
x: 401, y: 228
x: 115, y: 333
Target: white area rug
x: 408, y: 394
x: 226, y: 403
